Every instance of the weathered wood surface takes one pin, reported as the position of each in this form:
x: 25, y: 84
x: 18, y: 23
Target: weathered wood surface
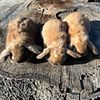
x: 77, y: 79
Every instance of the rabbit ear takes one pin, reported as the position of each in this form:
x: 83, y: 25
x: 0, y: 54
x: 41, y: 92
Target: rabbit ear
x: 4, y: 54
x: 44, y: 53
x: 34, y: 48
x: 73, y: 54
x: 93, y: 48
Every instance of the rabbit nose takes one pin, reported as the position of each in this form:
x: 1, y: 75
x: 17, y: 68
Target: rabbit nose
x: 85, y: 53
x: 53, y: 63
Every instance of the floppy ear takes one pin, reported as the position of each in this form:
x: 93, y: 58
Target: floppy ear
x: 34, y: 48
x: 73, y: 54
x: 4, y: 54
x: 44, y: 53
x: 93, y: 48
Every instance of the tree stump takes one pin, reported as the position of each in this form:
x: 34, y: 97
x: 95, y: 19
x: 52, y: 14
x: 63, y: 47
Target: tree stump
x: 77, y: 79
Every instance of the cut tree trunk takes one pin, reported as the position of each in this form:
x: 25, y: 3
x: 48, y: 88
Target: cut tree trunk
x: 77, y: 79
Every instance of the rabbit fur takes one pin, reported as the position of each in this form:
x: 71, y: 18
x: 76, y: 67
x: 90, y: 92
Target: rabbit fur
x: 54, y: 35
x: 21, y: 33
x: 78, y: 30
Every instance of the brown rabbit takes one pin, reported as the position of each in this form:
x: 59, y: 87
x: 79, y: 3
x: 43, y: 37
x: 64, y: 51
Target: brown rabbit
x: 21, y: 34
x: 78, y: 29
x: 55, y: 39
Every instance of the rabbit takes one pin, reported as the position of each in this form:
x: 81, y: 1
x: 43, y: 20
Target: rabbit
x: 21, y: 34
x: 55, y: 41
x: 78, y: 30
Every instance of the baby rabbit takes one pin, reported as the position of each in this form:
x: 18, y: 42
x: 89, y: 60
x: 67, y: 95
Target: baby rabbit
x: 55, y: 39
x: 21, y: 34
x: 78, y: 29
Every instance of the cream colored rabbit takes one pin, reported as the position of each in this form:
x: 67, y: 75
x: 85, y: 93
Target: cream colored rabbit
x: 55, y: 39
x: 21, y: 34
x: 78, y: 30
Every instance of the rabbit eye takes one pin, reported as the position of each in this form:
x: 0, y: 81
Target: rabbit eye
x: 63, y: 37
